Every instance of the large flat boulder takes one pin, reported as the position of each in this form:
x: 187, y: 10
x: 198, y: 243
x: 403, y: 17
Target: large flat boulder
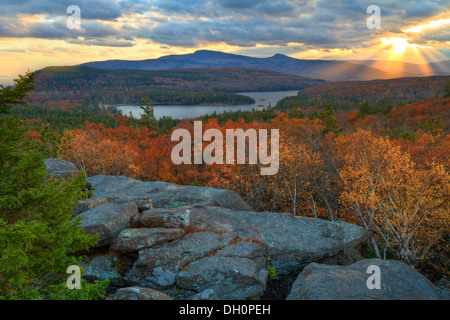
x: 163, y: 194
x: 398, y: 282
x: 108, y: 220
x: 291, y: 242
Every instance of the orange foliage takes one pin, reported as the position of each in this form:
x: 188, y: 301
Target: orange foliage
x: 404, y: 207
x: 397, y: 189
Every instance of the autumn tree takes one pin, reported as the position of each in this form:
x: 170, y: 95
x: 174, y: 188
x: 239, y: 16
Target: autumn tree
x: 302, y: 178
x: 100, y: 150
x: 403, y: 207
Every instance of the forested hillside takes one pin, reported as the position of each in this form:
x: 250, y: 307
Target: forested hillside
x: 69, y: 87
x: 351, y: 95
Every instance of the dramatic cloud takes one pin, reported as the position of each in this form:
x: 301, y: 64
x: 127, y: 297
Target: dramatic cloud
x: 190, y: 23
x: 149, y: 28
x: 92, y: 9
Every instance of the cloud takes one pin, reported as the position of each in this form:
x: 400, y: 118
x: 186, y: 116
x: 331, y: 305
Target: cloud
x: 422, y: 9
x: 239, y: 4
x: 109, y: 42
x: 199, y: 23
x: 90, y: 9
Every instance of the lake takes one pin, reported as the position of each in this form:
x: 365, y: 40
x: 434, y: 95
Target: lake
x: 192, y: 111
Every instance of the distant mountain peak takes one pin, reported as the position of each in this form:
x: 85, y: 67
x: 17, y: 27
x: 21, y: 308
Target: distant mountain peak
x: 331, y: 70
x: 279, y: 55
x: 210, y: 53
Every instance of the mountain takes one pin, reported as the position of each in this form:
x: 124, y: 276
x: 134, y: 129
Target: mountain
x: 331, y: 70
x: 440, y: 68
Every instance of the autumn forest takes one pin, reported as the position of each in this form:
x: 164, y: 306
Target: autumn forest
x: 376, y: 162
x: 374, y: 154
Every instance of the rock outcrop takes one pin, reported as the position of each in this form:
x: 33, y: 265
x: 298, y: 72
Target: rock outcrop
x: 398, y: 282
x: 186, y: 242
x: 198, y: 239
x: 163, y: 194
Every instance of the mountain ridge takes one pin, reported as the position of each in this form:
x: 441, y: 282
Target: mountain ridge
x: 330, y: 70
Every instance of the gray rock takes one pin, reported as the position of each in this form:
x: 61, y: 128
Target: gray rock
x: 108, y: 220
x: 291, y: 242
x: 131, y: 240
x: 163, y: 194
x: 247, y: 249
x: 143, y: 202
x: 207, y: 294
x: 343, y: 258
x: 80, y: 207
x: 158, y: 266
x: 235, y: 272
x: 398, y: 282
x: 166, y: 218
x: 231, y: 278
x: 138, y: 293
x: 83, y: 205
x: 60, y: 169
x: 100, y: 268
x: 250, y: 250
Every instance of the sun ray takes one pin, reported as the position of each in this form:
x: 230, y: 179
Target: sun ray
x: 400, y: 45
x: 432, y: 24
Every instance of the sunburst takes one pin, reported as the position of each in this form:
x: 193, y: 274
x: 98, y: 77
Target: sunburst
x: 400, y: 45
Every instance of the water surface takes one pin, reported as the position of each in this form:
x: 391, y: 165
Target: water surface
x: 263, y: 99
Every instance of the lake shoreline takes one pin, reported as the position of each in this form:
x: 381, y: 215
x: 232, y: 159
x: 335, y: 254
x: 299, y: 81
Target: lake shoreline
x: 262, y: 100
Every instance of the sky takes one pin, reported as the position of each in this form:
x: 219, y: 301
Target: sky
x: 36, y: 34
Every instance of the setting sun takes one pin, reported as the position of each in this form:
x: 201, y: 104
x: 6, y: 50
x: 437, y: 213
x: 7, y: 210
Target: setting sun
x: 399, y: 45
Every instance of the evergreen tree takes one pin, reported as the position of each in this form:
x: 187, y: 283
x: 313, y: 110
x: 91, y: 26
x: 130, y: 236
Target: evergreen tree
x: 148, y: 117
x: 328, y: 119
x: 447, y: 90
x: 11, y: 96
x: 38, y: 236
